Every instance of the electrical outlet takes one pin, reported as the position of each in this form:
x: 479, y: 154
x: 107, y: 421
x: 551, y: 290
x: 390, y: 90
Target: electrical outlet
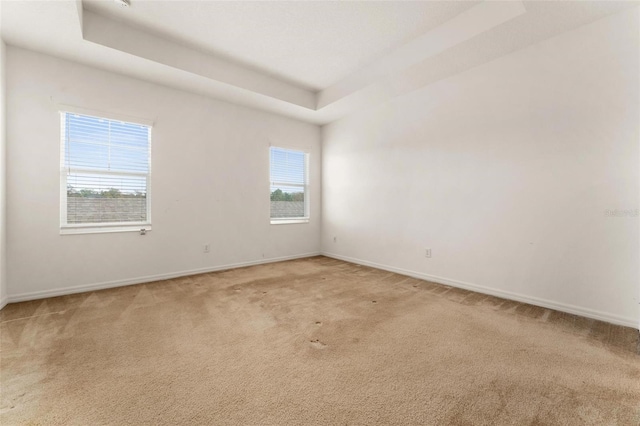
x: 427, y: 252
x: 207, y: 248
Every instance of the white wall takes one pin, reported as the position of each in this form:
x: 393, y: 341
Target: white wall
x: 505, y: 171
x: 210, y: 182
x: 3, y: 163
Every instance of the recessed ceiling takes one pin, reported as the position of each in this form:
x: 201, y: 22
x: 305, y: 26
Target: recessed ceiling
x: 313, y: 61
x: 313, y: 44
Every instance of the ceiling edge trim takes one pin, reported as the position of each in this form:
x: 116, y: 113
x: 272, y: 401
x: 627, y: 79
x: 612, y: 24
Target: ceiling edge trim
x: 467, y: 25
x: 118, y: 36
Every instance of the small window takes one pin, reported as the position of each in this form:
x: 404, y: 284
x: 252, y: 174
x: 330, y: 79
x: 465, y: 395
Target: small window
x: 105, y: 174
x: 289, y: 186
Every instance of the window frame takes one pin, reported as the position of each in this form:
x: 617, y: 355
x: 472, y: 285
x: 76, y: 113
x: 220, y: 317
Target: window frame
x: 305, y: 187
x: 101, y: 227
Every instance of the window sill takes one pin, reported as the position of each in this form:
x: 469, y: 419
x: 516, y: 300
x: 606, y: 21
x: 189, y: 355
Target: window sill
x: 93, y: 229
x: 289, y: 221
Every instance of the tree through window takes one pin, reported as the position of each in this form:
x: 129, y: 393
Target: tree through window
x: 105, y: 172
x: 289, y: 185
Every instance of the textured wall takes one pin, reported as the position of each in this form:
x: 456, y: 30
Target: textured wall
x: 3, y: 164
x: 209, y: 181
x: 509, y: 172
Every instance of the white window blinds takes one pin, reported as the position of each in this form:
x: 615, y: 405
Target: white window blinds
x: 289, y: 184
x: 105, y: 171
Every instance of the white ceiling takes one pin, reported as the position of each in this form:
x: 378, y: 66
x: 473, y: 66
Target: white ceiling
x: 313, y: 44
x: 314, y: 61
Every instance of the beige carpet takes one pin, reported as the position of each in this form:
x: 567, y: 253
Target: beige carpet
x: 312, y: 341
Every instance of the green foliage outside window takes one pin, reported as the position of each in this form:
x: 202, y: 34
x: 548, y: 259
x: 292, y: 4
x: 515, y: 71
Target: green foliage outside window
x: 278, y: 195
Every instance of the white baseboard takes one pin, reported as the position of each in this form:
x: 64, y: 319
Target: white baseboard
x: 576, y: 310
x: 146, y: 279
x: 571, y: 309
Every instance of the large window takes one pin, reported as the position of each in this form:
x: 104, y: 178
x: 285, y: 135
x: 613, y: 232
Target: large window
x: 289, y: 186
x: 105, y: 174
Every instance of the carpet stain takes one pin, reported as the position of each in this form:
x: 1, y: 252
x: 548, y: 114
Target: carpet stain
x: 247, y: 346
x: 318, y: 344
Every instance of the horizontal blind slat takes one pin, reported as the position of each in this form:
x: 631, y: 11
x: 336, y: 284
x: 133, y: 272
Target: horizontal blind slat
x: 288, y: 183
x: 107, y: 165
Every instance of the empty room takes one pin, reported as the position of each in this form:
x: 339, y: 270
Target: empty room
x: 319, y: 212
